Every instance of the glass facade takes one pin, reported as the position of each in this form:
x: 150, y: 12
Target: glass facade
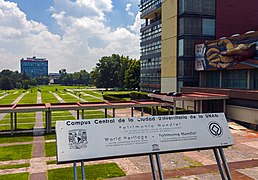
x: 34, y: 67
x: 196, y: 24
x: 150, y: 46
x: 233, y: 79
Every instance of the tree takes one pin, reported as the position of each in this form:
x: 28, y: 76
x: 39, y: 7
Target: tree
x: 110, y: 72
x: 132, y: 75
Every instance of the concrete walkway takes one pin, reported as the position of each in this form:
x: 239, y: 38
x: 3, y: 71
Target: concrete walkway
x: 2, y: 115
x: 38, y: 166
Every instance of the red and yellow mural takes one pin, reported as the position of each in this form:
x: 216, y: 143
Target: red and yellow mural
x: 235, y: 52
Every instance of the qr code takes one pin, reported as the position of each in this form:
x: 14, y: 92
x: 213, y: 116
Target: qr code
x: 78, y: 139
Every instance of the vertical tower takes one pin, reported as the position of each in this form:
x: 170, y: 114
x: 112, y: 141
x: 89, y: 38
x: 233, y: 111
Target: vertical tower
x: 150, y: 45
x: 184, y: 24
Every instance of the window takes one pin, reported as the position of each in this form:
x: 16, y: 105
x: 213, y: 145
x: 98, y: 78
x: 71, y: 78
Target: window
x: 180, y: 47
x: 235, y: 79
x: 212, y: 78
x: 190, y: 25
x: 203, y: 7
x: 208, y: 27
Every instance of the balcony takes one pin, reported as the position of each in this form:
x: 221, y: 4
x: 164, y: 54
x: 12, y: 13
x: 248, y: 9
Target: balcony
x: 149, y: 9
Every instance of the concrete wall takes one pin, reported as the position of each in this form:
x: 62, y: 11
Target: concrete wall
x: 169, y: 46
x: 243, y: 114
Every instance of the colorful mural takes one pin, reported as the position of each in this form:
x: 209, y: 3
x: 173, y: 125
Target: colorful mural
x: 235, y: 52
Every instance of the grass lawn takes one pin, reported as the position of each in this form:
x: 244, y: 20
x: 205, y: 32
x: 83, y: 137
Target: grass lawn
x: 15, y: 166
x: 92, y: 172
x: 15, y: 152
x: 50, y: 136
x: 16, y: 138
x: 30, y: 97
x: 20, y: 176
x: 13, y: 94
x: 50, y: 149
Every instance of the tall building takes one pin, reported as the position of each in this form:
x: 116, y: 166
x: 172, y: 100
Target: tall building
x: 34, y: 67
x: 150, y: 45
x: 171, y: 30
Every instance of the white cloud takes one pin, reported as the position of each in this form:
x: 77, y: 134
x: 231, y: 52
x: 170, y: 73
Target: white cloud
x: 137, y: 24
x: 128, y: 9
x: 86, y: 37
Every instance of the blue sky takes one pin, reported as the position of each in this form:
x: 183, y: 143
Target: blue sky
x: 71, y: 34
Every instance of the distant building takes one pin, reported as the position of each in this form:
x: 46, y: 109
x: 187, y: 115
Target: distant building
x: 34, y: 67
x: 53, y: 78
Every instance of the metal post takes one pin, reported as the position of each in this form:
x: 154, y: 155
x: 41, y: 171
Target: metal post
x: 225, y: 106
x: 152, y: 111
x: 15, y: 121
x: 142, y: 112
x: 83, y: 173
x: 219, y: 164
x: 174, y: 108
x: 200, y: 105
x: 194, y: 106
x: 159, y: 167
x: 131, y: 111
x: 78, y: 114
x: 225, y: 164
x: 82, y: 113
x: 11, y: 122
x: 74, y: 171
x: 153, y: 169
x: 105, y: 112
x: 169, y: 110
x: 50, y: 121
x: 46, y: 118
x: 114, y: 112
x: 157, y: 110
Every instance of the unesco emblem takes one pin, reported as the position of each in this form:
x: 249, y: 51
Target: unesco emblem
x: 215, y: 129
x: 77, y: 139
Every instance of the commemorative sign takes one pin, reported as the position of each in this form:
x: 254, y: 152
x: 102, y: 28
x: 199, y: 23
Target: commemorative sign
x: 115, y: 137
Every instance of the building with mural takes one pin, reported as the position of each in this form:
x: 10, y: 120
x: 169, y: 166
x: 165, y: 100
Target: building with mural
x: 171, y: 30
x: 206, y: 46
x: 34, y: 67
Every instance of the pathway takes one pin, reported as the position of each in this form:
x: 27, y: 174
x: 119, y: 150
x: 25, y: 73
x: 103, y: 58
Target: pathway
x: 38, y: 166
x: 2, y: 115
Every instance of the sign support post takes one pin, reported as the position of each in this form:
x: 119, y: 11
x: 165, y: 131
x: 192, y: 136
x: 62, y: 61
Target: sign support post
x: 159, y: 167
x: 153, y: 169
x: 74, y: 171
x: 225, y: 164
x: 83, y: 172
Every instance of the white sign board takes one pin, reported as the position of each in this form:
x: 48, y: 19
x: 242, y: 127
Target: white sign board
x: 114, y: 137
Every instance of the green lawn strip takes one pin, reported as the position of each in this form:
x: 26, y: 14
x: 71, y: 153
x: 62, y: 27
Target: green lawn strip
x: 50, y: 149
x: 94, y: 93
x: 5, y: 127
x: 15, y: 166
x: 96, y: 171
x: 11, y: 97
x: 21, y: 117
x: 60, y: 115
x: 51, y: 162
x: 15, y: 152
x: 25, y: 126
x: 30, y: 97
x: 16, y: 138
x: 20, y: 176
x: 91, y: 99
x: 50, y: 136
x: 47, y: 97
x: 67, y: 98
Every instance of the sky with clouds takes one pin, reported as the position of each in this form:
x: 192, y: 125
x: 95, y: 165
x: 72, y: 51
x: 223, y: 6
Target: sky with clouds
x: 71, y: 34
